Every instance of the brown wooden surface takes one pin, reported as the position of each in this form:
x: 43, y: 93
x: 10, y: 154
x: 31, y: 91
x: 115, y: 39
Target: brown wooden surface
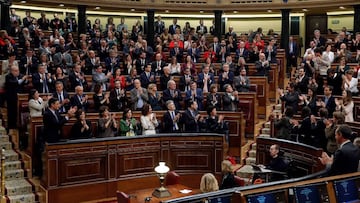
x: 93, y: 170
x: 138, y: 196
x: 306, y: 157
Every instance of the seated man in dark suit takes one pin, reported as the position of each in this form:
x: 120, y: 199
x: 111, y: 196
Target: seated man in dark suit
x: 62, y: 96
x: 192, y: 120
x: 195, y: 94
x: 147, y: 77
x: 171, y: 118
x: 346, y: 158
x: 171, y: 93
x: 80, y: 100
x: 42, y: 81
x: 28, y: 63
x: 53, y: 121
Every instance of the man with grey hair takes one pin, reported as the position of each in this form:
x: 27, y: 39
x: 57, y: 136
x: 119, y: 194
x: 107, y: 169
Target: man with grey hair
x: 171, y: 118
x: 138, y: 95
x: 172, y: 93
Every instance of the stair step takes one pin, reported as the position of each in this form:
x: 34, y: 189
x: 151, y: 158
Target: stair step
x: 18, y: 187
x: 25, y: 198
x: 11, y: 155
x: 14, y: 174
x: 12, y: 165
x: 253, y: 146
x: 265, y: 131
x: 252, y: 153
x: 267, y: 124
x: 6, y: 145
x: 245, y: 172
x: 4, y: 138
x: 250, y: 160
x: 264, y: 135
x: 278, y: 107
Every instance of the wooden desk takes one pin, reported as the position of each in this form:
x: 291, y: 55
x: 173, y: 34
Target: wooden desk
x: 139, y: 196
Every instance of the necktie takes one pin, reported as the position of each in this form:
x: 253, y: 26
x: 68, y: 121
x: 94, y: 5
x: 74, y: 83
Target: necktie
x: 45, y: 88
x: 56, y: 117
x: 175, y: 127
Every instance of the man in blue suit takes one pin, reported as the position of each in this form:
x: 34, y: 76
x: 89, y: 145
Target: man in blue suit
x: 194, y: 52
x: 346, y: 158
x: 195, y: 94
x: 205, y: 79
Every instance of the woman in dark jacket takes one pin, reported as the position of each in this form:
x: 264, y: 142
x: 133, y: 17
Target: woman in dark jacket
x: 228, y: 179
x: 82, y: 128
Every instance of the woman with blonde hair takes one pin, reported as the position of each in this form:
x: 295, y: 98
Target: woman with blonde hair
x: 228, y: 179
x: 208, y: 183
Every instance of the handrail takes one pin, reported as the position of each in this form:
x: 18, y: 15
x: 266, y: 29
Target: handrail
x: 244, y: 188
x: 3, y: 199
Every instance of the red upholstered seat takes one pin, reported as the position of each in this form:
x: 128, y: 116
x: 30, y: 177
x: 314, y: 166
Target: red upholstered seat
x: 172, y: 178
x: 122, y: 197
x: 239, y: 181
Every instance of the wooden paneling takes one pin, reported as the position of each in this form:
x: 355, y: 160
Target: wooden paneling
x: 83, y: 165
x: 304, y: 156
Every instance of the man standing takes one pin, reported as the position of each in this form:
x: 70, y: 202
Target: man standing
x: 346, y: 158
x: 53, y: 121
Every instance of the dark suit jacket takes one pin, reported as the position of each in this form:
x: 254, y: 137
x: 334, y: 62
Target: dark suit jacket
x: 272, y: 54
x: 291, y: 99
x: 89, y: 67
x: 191, y: 125
x: 65, y: 96
x: 346, y: 160
x: 199, y: 97
x: 172, y: 30
x: 117, y: 104
x: 228, y: 104
x: 39, y: 85
x: 245, y: 54
x: 167, y: 96
x: 159, y: 27
x: 302, y: 86
x: 145, y: 81
x: 241, y: 87
x: 183, y: 83
x: 200, y: 81
x: 168, y: 126
x: 52, y: 126
x: 224, y: 81
x: 179, y: 55
x: 34, y: 65
x: 198, y: 29
x: 154, y: 67
x: 76, y: 130
x: 331, y: 105
x: 194, y: 55
x: 141, y: 67
x: 76, y: 102
x: 76, y: 81
x: 217, y: 102
x: 110, y: 66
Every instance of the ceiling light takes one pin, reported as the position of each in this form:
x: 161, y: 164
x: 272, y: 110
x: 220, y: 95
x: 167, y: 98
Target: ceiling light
x: 97, y: 8
x: 269, y: 10
x: 23, y: 2
x: 341, y: 7
x: 167, y: 11
x: 132, y: 10
x: 305, y: 10
x: 201, y: 11
x: 235, y: 11
x: 61, y: 5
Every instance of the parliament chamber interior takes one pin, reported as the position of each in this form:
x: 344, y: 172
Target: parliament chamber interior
x: 180, y: 101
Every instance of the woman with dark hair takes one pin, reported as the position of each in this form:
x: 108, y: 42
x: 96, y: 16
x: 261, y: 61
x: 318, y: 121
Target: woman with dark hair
x: 59, y: 75
x: 107, y: 124
x: 215, y: 123
x: 310, y: 101
x: 82, y: 128
x: 36, y: 103
x: 117, y: 76
x: 100, y: 98
x: 214, y: 98
x: 148, y: 121
x: 128, y: 124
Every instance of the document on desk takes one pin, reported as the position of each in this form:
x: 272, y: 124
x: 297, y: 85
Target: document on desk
x: 265, y: 170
